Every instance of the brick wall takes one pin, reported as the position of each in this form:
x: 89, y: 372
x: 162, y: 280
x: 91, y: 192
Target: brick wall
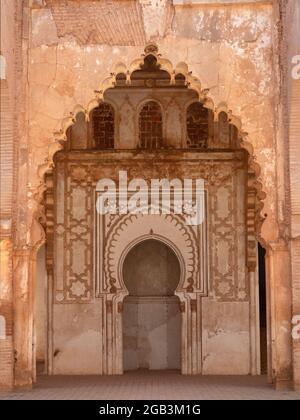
x: 14, y: 29
x: 6, y: 311
x: 7, y: 147
x: 118, y: 22
x: 6, y: 346
x: 6, y: 158
x: 6, y: 363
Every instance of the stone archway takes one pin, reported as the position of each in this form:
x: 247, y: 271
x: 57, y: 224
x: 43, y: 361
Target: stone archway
x: 124, y: 234
x: 110, y: 290
x: 24, y: 257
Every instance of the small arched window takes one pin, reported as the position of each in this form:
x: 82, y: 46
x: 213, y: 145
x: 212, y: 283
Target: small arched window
x: 150, y: 126
x: 103, y: 124
x: 197, y: 126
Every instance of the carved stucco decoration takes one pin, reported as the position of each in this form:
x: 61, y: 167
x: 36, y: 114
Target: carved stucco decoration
x: 112, y: 236
x: 73, y: 236
x: 185, y: 240
x: 191, y: 82
x: 74, y: 228
x: 188, y: 243
x: 111, y: 300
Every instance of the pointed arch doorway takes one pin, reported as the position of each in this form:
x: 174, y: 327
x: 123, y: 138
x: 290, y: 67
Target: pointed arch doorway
x: 151, y: 313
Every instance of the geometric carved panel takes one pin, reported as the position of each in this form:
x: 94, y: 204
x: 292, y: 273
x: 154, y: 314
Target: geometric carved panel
x: 80, y: 269
x: 73, y: 235
x: 227, y: 253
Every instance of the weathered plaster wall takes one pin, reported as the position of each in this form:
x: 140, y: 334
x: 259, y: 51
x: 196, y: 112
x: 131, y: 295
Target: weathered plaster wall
x: 151, y: 333
x: 227, y: 48
x: 8, y: 49
x: 77, y: 347
x: 291, y: 48
x: 222, y: 326
x: 8, y: 40
x: 6, y: 339
x: 235, y: 63
x: 225, y: 338
x: 8, y: 86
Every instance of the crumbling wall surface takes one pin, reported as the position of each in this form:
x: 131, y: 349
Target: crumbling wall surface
x: 7, y: 63
x: 227, y: 47
x: 7, y: 98
x: 76, y: 45
x: 290, y: 57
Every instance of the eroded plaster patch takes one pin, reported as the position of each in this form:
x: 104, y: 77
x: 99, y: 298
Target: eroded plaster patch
x: 44, y: 31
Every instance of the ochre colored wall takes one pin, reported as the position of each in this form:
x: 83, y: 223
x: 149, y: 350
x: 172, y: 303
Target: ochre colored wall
x: 234, y: 50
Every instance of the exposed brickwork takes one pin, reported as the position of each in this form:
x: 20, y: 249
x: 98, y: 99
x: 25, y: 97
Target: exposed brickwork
x: 103, y: 122
x: 6, y: 152
x: 197, y: 126
x: 102, y: 22
x: 13, y: 106
x: 6, y: 311
x: 6, y: 363
x: 22, y: 309
x: 150, y: 126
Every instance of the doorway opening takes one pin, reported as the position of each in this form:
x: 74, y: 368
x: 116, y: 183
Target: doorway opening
x: 262, y: 309
x: 151, y: 313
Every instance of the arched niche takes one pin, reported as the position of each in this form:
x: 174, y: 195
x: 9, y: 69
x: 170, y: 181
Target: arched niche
x: 98, y: 132
x: 151, y: 268
x: 111, y: 292
x: 78, y: 133
x: 151, y: 312
x: 125, y: 234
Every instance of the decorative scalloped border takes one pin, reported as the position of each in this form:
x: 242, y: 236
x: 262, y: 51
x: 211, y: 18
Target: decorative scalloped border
x: 191, y: 81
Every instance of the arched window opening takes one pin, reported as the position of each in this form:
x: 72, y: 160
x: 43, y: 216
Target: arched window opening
x: 103, y: 124
x: 150, y: 126
x: 197, y: 126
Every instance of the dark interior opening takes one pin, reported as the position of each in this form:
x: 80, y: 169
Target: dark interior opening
x: 262, y: 308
